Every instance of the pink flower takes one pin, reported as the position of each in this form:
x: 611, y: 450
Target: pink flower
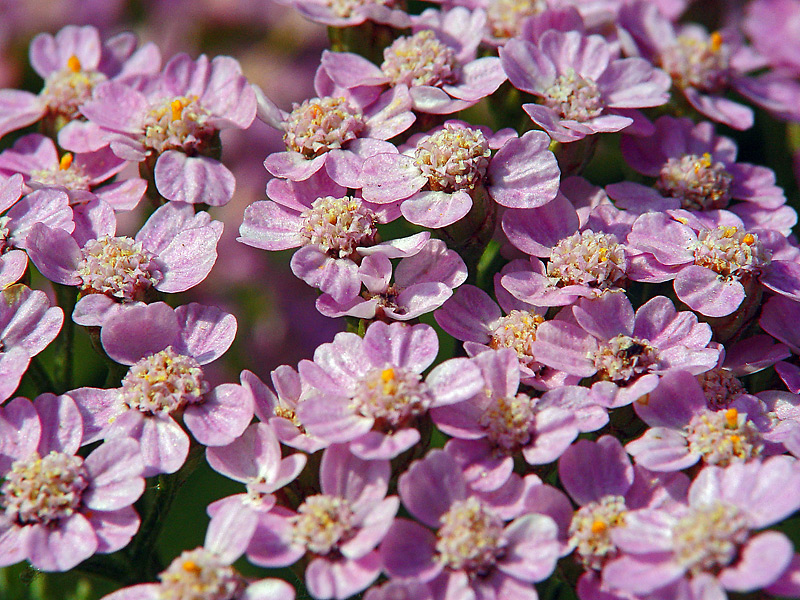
x: 166, y: 349
x: 339, y: 527
x: 58, y: 508
x: 710, y: 544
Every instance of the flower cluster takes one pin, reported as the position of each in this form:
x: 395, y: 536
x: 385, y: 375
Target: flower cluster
x: 544, y: 386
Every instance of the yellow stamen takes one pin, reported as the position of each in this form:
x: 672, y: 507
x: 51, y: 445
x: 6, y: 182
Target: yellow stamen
x: 732, y: 417
x: 387, y: 375
x: 191, y: 567
x: 716, y: 41
x: 735, y: 439
x: 749, y: 239
x: 66, y: 161
x: 177, y: 109
x: 599, y: 526
x: 74, y: 64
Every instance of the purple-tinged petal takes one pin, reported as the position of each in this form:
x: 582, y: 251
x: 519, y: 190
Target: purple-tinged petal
x: 337, y: 277
x: 524, y: 173
x: 222, y: 416
x: 193, y: 179
x: 62, y: 426
x: 376, y: 445
x: 761, y: 562
x: 436, y: 209
x: 188, y: 259
x: 641, y: 574
x: 662, y: 449
x: 430, y: 486
x: 13, y: 365
x: 62, y: 547
x: 532, y: 548
x: 591, y: 470
x: 19, y: 431
x: 453, y: 381
x: 140, y: 331
x: 268, y: 226
x: 206, y: 332
x: 413, y: 348
x: 345, y: 475
x: 164, y: 445
x: 55, y: 253
x: 114, y: 530
x: 27, y: 319
x: 115, y: 468
x: 409, y: 550
x: 707, y: 293
x: 342, y: 578
x: 230, y: 532
x: 12, y: 267
x: 372, y: 529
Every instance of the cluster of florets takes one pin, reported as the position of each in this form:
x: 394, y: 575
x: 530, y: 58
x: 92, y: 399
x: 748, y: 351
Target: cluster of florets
x: 534, y: 369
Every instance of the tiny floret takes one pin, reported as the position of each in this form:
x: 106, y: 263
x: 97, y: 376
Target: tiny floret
x: 117, y: 266
x: 454, y: 158
x: 163, y: 382
x: 731, y: 252
x: 392, y: 396
x: 420, y: 59
x: 321, y: 124
x: 41, y: 490
x: 177, y: 123
x: 574, y: 98
x: 587, y: 258
x: 624, y: 357
x: 200, y: 575
x: 470, y: 537
x: 590, y: 530
x: 322, y: 523
x: 699, y: 182
x: 339, y: 225
x: 709, y: 537
x: 723, y: 437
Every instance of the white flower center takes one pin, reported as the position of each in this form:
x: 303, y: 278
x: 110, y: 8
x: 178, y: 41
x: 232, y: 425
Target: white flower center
x: 321, y: 124
x: 163, y: 382
x: 508, y: 422
x: 392, y: 396
x: 322, y: 523
x: 470, y: 537
x: 588, y: 258
x: 506, y: 17
x: 731, y: 252
x: 200, y: 575
x: 65, y: 91
x: 697, y: 181
x: 347, y: 8
x: 623, y: 358
x: 43, y: 489
x: 709, y: 537
x: 339, y: 225
x: 517, y: 330
x: 574, y: 97
x: 117, y: 266
x: 420, y: 59
x: 723, y: 437
x: 455, y: 158
x: 701, y: 64
x: 66, y: 175
x: 178, y: 123
x: 590, y: 530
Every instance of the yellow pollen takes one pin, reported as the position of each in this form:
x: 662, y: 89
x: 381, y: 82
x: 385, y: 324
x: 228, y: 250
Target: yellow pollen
x: 735, y: 439
x: 749, y: 239
x: 65, y: 162
x: 729, y: 232
x: 716, y: 41
x: 599, y: 526
x: 177, y: 109
x: 74, y: 64
x: 191, y: 567
x: 387, y: 375
x: 732, y: 417
x: 682, y: 220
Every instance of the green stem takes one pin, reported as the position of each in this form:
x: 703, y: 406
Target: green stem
x: 40, y: 376
x: 141, y: 550
x: 66, y: 297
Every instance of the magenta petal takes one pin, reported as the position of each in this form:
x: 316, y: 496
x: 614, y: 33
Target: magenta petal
x: 19, y: 109
x: 188, y: 259
x: 13, y: 541
x: 193, y: 179
x: 341, y: 578
x: 62, y: 426
x: 332, y: 418
x: 13, y: 365
x: 524, y: 173
x: 412, y: 348
x: 114, y: 529
x: 375, y: 445
x: 164, y: 445
x: 662, y: 449
x: 762, y: 561
x: 116, y: 469
x: 409, y: 550
x: 361, y: 482
x: 783, y: 277
x: 140, y: 331
x: 12, y: 267
x: 230, y: 531
x: 591, y: 470
x: 94, y: 309
x: 436, y: 209
x: 706, y: 292
x: 206, y: 331
x: 222, y: 416
x: 373, y: 528
x: 54, y: 253
x: 641, y: 574
x: 62, y: 547
x: 390, y: 177
x: 337, y: 277
x: 430, y: 486
x: 19, y: 431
